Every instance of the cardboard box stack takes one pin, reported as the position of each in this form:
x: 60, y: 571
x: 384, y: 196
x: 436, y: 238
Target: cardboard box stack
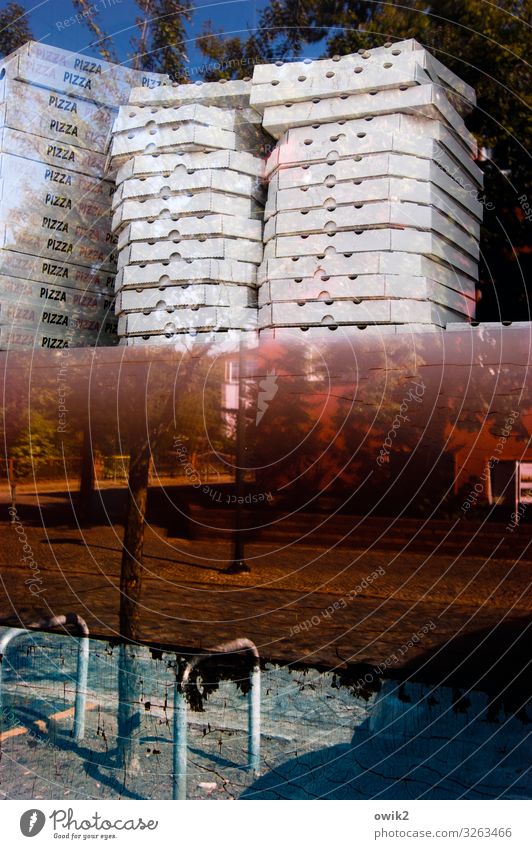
x: 57, y: 253
x: 188, y: 211
x: 372, y: 214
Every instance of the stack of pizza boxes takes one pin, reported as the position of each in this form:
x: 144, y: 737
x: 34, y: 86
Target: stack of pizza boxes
x: 372, y: 215
x: 187, y: 212
x: 57, y: 252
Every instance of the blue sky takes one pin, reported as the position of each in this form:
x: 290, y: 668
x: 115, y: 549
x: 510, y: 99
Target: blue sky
x: 117, y: 17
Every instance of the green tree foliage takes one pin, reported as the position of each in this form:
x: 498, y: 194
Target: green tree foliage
x: 14, y: 28
x: 160, y: 44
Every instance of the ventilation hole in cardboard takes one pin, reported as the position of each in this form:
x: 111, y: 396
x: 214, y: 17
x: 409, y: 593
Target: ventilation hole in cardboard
x: 160, y: 305
x: 325, y: 296
x: 305, y: 167
x: 317, y: 100
x: 298, y: 279
x: 357, y: 182
x: 175, y: 255
x: 329, y: 74
x: 403, y: 88
x: 275, y: 82
x: 336, y: 58
x: 304, y: 328
x: 325, y: 277
x: 304, y: 235
x: 357, y: 158
x: 304, y: 188
x: 332, y: 157
x: 169, y: 328
x: 335, y: 138
x: 373, y: 93
x: 358, y: 232
x: 131, y: 135
x: 396, y: 52
x: 330, y: 181
x: 132, y: 114
x: 352, y: 276
x: 304, y: 211
x: 164, y: 280
x: 327, y: 319
x: 358, y: 205
x: 365, y: 54
x: 279, y: 63
x: 358, y: 70
x: 300, y: 303
x: 361, y: 135
x: 344, y: 96
x: 307, y: 141
x: 321, y: 256
x: 348, y: 255
x: 388, y: 65
x: 295, y: 259
x: 369, y: 118
x: 301, y: 79
x: 287, y: 105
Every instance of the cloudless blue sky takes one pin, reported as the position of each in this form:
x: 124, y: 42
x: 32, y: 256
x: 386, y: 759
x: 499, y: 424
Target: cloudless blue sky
x: 117, y: 17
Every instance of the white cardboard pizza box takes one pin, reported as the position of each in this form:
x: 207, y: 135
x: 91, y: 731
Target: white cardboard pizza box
x: 379, y: 57
x: 413, y: 125
x: 185, y: 136
x: 50, y: 272
x: 54, y: 115
x: 18, y: 290
x: 344, y: 312
x: 45, y: 316
x: 192, y: 227
x: 244, y: 250
x: 367, y: 191
x: 305, y: 223
x: 199, y: 270
x: 288, y: 155
x: 136, y: 117
x: 229, y: 182
x: 151, y: 165
x: 298, y: 147
x: 222, y: 341
x: 307, y: 85
x: 368, y: 286
x: 164, y: 321
x: 92, y: 67
x: 372, y: 262
x: 58, y: 247
x: 179, y: 205
x: 57, y: 154
x: 422, y: 102
x: 361, y: 241
x: 32, y: 175
x: 382, y: 165
x: 202, y: 294
x: 18, y: 338
x: 226, y: 93
x: 353, y: 82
